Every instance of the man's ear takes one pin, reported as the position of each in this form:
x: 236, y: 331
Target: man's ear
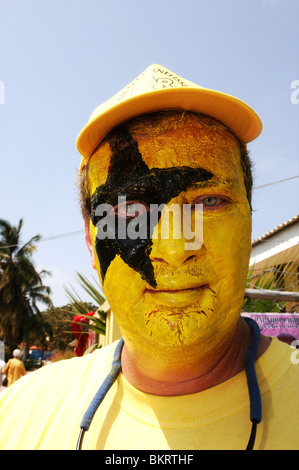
x: 89, y: 243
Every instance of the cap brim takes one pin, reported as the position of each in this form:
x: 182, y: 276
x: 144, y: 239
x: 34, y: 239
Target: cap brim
x: 234, y: 113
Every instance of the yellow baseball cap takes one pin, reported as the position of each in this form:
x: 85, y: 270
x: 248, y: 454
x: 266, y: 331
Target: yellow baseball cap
x: 156, y: 89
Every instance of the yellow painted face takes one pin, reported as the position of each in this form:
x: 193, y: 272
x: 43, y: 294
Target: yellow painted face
x: 164, y: 294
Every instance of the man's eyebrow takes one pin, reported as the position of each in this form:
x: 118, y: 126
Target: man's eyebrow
x: 101, y: 192
x: 214, y: 182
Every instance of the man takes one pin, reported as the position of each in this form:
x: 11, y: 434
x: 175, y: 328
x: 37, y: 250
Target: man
x: 15, y: 368
x: 165, y: 192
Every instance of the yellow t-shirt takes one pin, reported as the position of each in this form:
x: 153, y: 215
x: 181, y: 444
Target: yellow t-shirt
x: 44, y: 409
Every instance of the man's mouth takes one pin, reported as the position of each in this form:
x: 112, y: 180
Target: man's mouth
x: 174, y: 291
x: 184, y: 295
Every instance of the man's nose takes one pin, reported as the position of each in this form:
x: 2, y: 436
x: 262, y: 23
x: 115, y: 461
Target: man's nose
x: 170, y: 244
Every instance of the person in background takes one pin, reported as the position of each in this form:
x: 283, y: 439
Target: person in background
x: 15, y: 368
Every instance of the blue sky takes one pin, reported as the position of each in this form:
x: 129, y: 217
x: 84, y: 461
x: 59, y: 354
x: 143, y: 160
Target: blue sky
x: 59, y: 59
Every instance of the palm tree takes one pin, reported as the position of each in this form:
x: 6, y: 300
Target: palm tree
x: 21, y: 287
x: 34, y: 324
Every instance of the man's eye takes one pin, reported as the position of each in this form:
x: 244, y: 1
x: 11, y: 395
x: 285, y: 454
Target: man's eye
x: 211, y: 202
x: 130, y: 209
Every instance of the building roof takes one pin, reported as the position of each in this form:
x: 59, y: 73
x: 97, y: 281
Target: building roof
x: 277, y: 229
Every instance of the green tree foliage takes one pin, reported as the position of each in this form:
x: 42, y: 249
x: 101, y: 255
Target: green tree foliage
x: 21, y: 289
x: 62, y: 334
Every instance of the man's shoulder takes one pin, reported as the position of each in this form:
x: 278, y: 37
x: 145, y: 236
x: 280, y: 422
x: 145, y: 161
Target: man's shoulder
x: 63, y: 373
x: 82, y: 364
x: 42, y: 409
x: 279, y: 364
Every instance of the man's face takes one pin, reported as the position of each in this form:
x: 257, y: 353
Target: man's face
x: 162, y: 292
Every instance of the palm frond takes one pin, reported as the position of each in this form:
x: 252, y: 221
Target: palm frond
x: 91, y: 289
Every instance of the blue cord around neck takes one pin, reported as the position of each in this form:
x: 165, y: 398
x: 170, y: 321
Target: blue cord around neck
x: 106, y: 385
x: 252, y: 383
x: 253, y: 387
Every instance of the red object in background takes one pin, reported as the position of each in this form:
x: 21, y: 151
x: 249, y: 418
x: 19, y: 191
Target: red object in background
x: 80, y: 332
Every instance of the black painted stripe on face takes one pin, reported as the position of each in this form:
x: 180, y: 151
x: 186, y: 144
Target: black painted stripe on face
x: 129, y: 176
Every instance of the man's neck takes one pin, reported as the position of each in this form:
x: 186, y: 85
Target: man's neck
x: 183, y: 381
